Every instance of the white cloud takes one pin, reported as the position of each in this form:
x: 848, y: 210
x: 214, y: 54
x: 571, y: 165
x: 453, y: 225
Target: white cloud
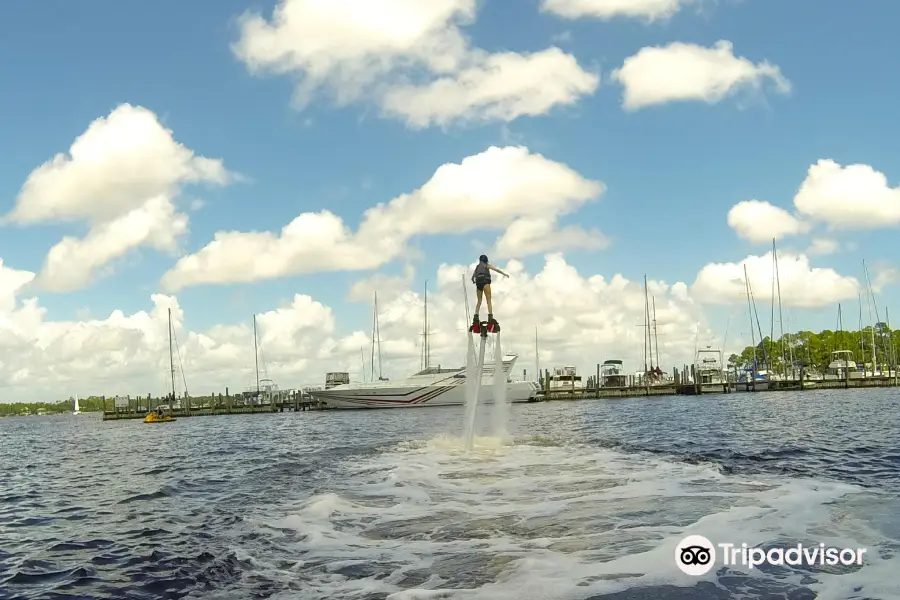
x: 759, y: 221
x: 500, y: 185
x: 582, y: 320
x: 681, y: 71
x: 852, y: 197
x: 409, y: 57
x: 855, y: 196
x: 534, y: 235
x: 802, y: 285
x: 499, y: 87
x: 651, y: 10
x: 12, y: 281
x: 121, y: 177
x: 883, y: 275
x: 388, y: 287
x: 822, y: 247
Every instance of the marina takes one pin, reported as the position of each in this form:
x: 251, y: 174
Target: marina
x: 445, y: 387
x: 757, y: 369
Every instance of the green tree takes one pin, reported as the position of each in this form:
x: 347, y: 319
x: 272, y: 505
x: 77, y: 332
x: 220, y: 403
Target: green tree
x: 814, y: 350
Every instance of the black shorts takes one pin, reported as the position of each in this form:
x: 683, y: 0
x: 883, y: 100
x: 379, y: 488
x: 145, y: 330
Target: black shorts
x: 481, y: 282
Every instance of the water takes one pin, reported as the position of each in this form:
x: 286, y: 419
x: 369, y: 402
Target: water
x: 588, y: 502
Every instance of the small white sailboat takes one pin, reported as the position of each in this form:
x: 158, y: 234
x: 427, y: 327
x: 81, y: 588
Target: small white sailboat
x: 77, y: 410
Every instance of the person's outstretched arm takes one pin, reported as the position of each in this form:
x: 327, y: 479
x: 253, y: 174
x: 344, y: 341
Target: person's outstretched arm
x: 493, y: 268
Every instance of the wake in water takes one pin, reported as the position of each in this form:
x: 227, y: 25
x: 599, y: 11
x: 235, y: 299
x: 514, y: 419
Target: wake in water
x: 547, y: 521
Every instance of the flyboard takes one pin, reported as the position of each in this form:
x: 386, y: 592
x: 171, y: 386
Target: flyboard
x: 473, y: 388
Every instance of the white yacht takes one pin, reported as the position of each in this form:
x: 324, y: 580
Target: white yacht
x: 612, y: 373
x: 842, y: 366
x: 566, y: 379
x: 709, y: 369
x: 433, y: 386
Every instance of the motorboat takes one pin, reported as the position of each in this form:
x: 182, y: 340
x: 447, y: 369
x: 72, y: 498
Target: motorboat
x: 751, y: 380
x: 158, y: 416
x: 612, y: 373
x: 432, y: 386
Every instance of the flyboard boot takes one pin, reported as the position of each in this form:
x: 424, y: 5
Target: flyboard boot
x: 475, y: 327
x: 492, y: 325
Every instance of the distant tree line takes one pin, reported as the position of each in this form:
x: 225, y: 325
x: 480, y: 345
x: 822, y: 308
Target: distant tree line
x: 91, y: 404
x: 811, y: 349
x: 88, y: 404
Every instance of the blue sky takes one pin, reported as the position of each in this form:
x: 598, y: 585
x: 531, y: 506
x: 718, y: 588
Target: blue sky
x: 672, y: 171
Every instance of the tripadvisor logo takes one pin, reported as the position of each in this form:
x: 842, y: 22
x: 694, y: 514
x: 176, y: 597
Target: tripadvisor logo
x: 695, y: 555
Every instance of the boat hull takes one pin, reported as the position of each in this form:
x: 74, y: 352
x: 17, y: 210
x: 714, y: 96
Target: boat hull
x: 149, y: 419
x: 449, y: 394
x: 743, y: 386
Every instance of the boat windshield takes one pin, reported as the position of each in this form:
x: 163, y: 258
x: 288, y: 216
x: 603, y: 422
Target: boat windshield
x: 436, y: 371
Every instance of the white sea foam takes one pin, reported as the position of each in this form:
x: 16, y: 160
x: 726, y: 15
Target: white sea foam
x: 536, y: 520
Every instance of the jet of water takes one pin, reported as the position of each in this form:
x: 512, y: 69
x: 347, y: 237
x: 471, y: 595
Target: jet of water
x: 500, y: 414
x: 471, y: 393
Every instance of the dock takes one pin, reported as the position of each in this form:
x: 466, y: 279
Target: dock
x: 675, y: 387
x: 137, y: 407
x: 680, y: 384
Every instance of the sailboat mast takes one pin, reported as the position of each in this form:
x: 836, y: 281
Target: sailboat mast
x: 862, y: 340
x: 772, y: 316
x: 425, y: 343
x: 171, y: 357
x: 646, y: 326
x: 655, y: 332
x: 374, y: 321
x: 750, y: 309
x: 762, y: 340
x: 877, y: 319
x: 781, y: 315
x: 537, y: 356
x: 840, y: 328
x: 891, y: 354
x: 362, y: 361
x: 378, y: 333
x: 256, y: 356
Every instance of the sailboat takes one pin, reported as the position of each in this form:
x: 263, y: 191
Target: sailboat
x: 875, y: 324
x: 842, y: 365
x: 651, y: 375
x: 376, y: 335
x: 431, y: 386
x: 787, y: 353
x: 752, y: 380
x: 266, y: 390
x: 159, y: 415
x: 77, y: 409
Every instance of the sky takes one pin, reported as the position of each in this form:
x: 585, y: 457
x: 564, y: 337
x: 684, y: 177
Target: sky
x: 290, y: 159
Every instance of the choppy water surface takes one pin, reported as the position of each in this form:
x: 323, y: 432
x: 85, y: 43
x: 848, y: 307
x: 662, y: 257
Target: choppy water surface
x: 588, y: 502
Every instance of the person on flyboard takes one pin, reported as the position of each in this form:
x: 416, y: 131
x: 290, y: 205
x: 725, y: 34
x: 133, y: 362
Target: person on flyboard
x: 481, y: 277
